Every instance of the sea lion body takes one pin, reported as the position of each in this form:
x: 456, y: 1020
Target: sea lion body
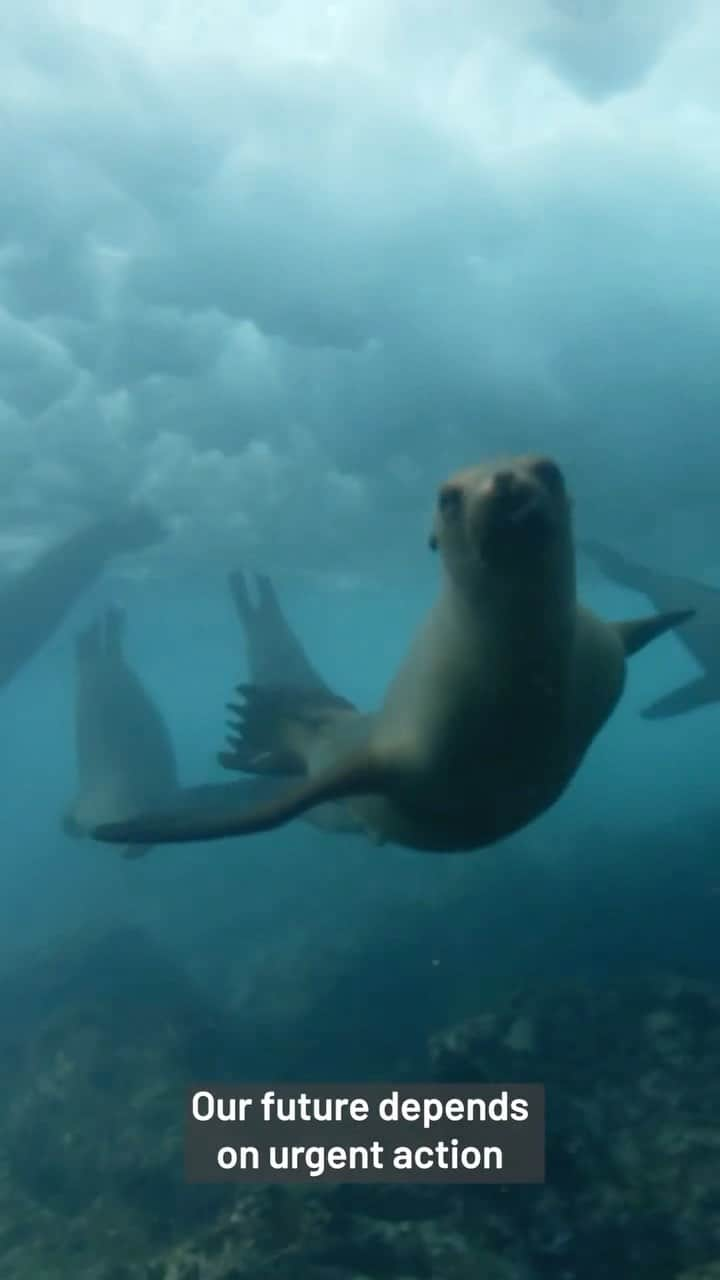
x: 125, y: 756
x: 484, y: 750
x: 490, y: 714
x: 504, y: 688
x: 35, y: 602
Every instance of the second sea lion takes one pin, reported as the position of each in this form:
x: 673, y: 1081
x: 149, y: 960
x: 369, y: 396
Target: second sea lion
x: 124, y: 753
x: 123, y: 747
x: 701, y: 636
x: 35, y: 602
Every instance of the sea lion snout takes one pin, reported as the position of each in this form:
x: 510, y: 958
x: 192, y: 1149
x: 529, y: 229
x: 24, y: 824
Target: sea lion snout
x: 461, y: 496
x: 499, y: 484
x: 480, y: 508
x: 450, y: 508
x: 547, y: 471
x: 528, y: 494
x: 508, y: 499
x: 524, y: 477
x: 450, y: 500
x: 511, y: 495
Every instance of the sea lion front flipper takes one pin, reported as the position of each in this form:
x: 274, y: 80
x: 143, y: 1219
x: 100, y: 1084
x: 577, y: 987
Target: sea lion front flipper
x: 356, y: 774
x: 639, y: 632
x: 270, y: 727
x: 689, y: 697
x: 212, y: 797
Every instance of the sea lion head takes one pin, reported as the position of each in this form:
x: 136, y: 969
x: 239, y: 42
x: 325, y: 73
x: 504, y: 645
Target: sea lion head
x: 510, y: 513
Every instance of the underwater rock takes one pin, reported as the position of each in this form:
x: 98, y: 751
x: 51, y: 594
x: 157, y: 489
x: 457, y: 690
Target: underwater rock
x: 99, y: 1041
x: 252, y: 1243
x: 99, y: 1038
x: 632, y: 1075
x: 710, y: 1272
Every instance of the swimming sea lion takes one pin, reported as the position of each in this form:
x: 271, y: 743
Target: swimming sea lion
x: 701, y: 635
x: 504, y: 688
x: 35, y: 602
x: 124, y: 751
x: 125, y: 756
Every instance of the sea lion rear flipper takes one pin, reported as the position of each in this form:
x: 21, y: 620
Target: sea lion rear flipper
x: 636, y: 634
x: 275, y: 655
x: 114, y: 630
x: 356, y: 774
x: 103, y: 636
x: 241, y: 596
x: 89, y: 643
x: 689, y: 697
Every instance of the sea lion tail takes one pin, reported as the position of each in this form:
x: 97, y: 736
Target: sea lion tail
x: 637, y: 633
x: 357, y: 774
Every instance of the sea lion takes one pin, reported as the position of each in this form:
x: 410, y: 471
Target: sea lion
x: 701, y: 635
x: 125, y: 756
x: 491, y: 713
x: 34, y: 603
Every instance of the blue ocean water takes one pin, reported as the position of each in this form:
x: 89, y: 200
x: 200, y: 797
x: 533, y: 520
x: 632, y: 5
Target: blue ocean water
x: 273, y: 271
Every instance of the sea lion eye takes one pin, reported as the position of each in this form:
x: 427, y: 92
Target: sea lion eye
x: 549, y: 474
x: 450, y: 500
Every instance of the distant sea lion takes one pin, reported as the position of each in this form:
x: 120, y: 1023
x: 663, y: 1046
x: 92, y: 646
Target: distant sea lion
x: 701, y: 635
x: 124, y: 752
x: 492, y: 711
x: 35, y: 602
x: 125, y: 756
